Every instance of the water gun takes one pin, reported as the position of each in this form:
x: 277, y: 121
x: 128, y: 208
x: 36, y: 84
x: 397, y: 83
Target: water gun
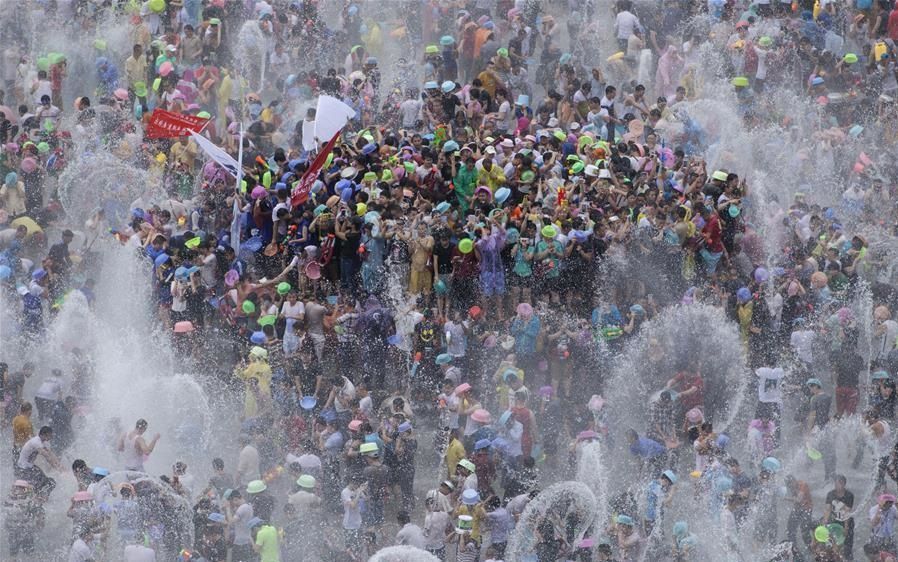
x: 416, y: 364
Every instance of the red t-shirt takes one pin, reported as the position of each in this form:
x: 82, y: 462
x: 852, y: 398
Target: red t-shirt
x: 683, y: 381
x: 712, y: 233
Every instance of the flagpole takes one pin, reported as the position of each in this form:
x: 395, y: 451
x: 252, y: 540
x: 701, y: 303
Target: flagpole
x: 235, y: 220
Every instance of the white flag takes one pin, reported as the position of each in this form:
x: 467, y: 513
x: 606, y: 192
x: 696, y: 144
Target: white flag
x: 216, y: 153
x: 331, y: 116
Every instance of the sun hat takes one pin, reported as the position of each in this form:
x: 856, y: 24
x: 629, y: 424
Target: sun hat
x: 670, y: 476
x: 254, y: 522
x: 719, y: 175
x: 259, y: 352
x: 256, y: 487
x: 734, y: 211
x: 462, y: 388
x: 482, y: 416
x: 404, y: 426
x: 761, y: 275
x: 22, y: 484
x: 482, y: 444
x: 431, y: 50
x: 283, y: 288
x: 502, y: 194
x: 369, y: 448
x: 216, y: 517
x: 100, y: 471
x: 443, y: 359
x: 771, y: 464
x: 467, y: 465
x: 887, y: 498
x: 880, y: 375
x: 448, y: 484
x: 446, y: 40
x: 450, y: 146
x: 268, y: 320
x: 470, y: 497
x: 306, y: 481
x: 694, y: 415
x: 743, y: 295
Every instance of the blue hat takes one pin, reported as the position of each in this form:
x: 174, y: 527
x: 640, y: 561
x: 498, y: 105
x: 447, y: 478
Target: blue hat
x: 771, y: 464
x: 470, y: 497
x: 329, y: 416
x: 369, y: 148
x: 38, y: 274
x: 254, y: 522
x: 431, y: 85
x: 258, y: 338
x: 450, y: 146
x: 722, y: 440
x: 723, y: 484
x: 446, y: 40
x: 100, y: 471
x: 405, y: 426
x: 160, y: 259
x: 280, y: 185
x: 444, y: 359
x: 670, y: 476
x: 5, y: 272
x: 371, y: 60
x: 308, y: 402
x: 500, y: 444
x: 625, y: 520
x: 502, y: 194
x: 342, y: 184
x: 817, y: 80
x: 482, y: 444
x: 181, y: 272
x: 216, y: 517
x: 880, y: 375
x: 813, y: 382
x: 447, y: 86
x: 743, y: 294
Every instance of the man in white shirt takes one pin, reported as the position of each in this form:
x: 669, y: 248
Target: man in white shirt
x: 248, y: 463
x: 27, y: 470
x: 625, y: 23
x: 239, y: 514
x: 410, y: 534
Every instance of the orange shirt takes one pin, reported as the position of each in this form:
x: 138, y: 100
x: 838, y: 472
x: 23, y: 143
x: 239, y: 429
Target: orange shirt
x: 22, y: 430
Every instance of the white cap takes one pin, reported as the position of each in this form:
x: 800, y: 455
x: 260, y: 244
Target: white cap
x: 591, y: 170
x: 574, y: 126
x: 604, y: 174
x: 490, y: 149
x: 553, y: 122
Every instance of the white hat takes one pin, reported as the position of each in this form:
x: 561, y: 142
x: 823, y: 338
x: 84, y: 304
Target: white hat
x: 553, y: 122
x: 171, y: 48
x: 490, y: 149
x: 604, y: 174
x: 591, y: 170
x: 574, y: 126
x: 507, y: 143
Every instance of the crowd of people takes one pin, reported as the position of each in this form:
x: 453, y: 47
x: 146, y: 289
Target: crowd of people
x: 419, y: 343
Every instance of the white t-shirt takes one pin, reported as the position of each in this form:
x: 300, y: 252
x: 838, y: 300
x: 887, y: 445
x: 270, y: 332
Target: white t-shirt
x: 411, y: 112
x: 769, y: 390
x: 248, y: 464
x: 624, y: 24
x: 343, y: 399
x: 506, y: 117
x: 80, y: 552
x: 435, y: 524
x: 139, y: 553
x: 411, y: 535
x: 30, y: 450
x: 352, y: 516
x: 49, y: 388
x: 295, y: 311
x: 242, y: 533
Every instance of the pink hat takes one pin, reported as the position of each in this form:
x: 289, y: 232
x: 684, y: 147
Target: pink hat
x: 588, y: 434
x: 524, y: 309
x: 258, y: 192
x: 83, y: 497
x: 183, y: 327
x: 482, y: 416
x: 484, y: 189
x: 462, y: 388
x: 887, y: 498
x: 120, y: 94
x: 355, y: 425
x: 231, y: 277
x: 595, y: 403
x: 694, y: 416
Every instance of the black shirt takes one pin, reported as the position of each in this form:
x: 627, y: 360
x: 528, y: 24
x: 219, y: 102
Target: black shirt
x: 847, y: 499
x: 350, y: 247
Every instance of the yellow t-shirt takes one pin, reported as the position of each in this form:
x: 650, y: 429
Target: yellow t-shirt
x: 454, y: 453
x: 267, y: 540
x: 22, y: 430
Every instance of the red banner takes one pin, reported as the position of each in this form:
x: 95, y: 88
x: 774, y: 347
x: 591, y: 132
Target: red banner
x: 304, y: 185
x: 165, y: 124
